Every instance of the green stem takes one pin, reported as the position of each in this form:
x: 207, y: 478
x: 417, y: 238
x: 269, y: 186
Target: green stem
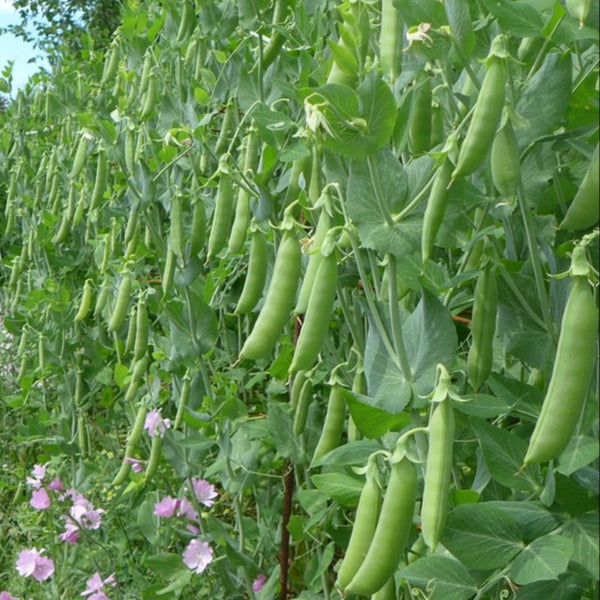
x: 378, y: 193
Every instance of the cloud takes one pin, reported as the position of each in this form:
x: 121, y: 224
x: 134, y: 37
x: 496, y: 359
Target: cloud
x: 6, y: 6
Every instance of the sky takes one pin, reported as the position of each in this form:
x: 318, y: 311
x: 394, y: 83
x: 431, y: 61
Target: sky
x: 13, y: 48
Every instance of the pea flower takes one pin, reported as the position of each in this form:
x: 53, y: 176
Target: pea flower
x: 31, y: 563
x: 197, y: 556
x: 204, y: 491
x: 155, y: 424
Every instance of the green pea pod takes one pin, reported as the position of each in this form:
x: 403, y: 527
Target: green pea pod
x: 221, y: 223
x: 273, y: 48
x: 198, y: 229
x: 86, y: 300
x: 505, y: 162
x: 363, y: 530
x: 390, y: 40
x: 483, y: 327
x: 111, y: 65
x: 169, y: 270
x: 101, y: 179
x: 140, y: 346
x: 571, y: 376
x: 132, y: 442
x: 419, y: 129
x: 485, y: 119
x: 436, y: 208
x: 392, y: 532
x: 131, y: 330
x: 279, y: 300
x: 154, y: 458
x: 295, y: 388
x: 150, y: 97
x: 121, y: 304
x: 176, y: 225
x: 227, y: 129
x: 256, y: 275
x: 333, y: 427
x: 80, y: 156
x: 437, y: 473
x: 186, y: 388
x: 387, y: 592
x: 302, y: 406
x: 584, y: 210
x: 314, y: 260
x: 187, y: 22
x: 318, y: 313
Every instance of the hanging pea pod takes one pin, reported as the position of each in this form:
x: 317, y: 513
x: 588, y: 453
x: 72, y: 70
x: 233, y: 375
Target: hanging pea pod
x: 301, y: 409
x: 333, y: 426
x: 419, y: 130
x: 140, y: 346
x: 150, y: 97
x: 505, y: 162
x: 176, y: 225
x: 187, y: 22
x: 132, y: 442
x: 86, y: 300
x: 80, y: 155
x: 198, y: 228
x: 273, y: 48
x: 390, y: 40
x: 111, y: 64
x: 100, y: 180
x: 227, y: 129
x: 223, y: 212
x: 256, y: 275
x: 121, y: 306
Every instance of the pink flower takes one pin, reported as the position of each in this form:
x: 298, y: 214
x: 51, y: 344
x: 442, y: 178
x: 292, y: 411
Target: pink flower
x: 56, y: 485
x: 71, y: 532
x: 84, y: 513
x: 204, y: 491
x: 31, y: 563
x: 197, y: 556
x: 95, y: 586
x: 186, y: 509
x: 258, y: 583
x: 40, y: 499
x: 7, y: 596
x: 38, y: 472
x: 136, y: 465
x: 155, y: 424
x: 166, y: 507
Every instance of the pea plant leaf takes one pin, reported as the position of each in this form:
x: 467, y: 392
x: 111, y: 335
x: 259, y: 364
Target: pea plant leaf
x: 580, y: 451
x: 534, y: 519
x: 584, y: 531
x: 519, y: 18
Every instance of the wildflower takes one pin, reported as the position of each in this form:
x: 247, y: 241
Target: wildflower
x: 186, y: 509
x: 166, y: 507
x: 95, y: 586
x: 6, y: 596
x: 40, y: 499
x: 71, y: 532
x: 197, y: 556
x: 31, y: 563
x: 204, y: 491
x: 38, y: 472
x: 155, y: 424
x: 258, y: 583
x: 56, y: 485
x: 136, y: 465
x: 84, y: 513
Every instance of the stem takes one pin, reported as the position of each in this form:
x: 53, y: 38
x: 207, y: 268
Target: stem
x: 378, y: 193
x: 396, y: 320
x: 536, y: 263
x: 415, y: 201
x: 284, y: 550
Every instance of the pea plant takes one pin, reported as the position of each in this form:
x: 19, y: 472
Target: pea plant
x: 299, y: 300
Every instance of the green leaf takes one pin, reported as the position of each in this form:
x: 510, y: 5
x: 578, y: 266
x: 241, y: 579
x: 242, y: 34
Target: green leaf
x: 568, y: 587
x: 483, y: 406
x: 551, y: 84
x: 372, y: 420
x: 281, y: 431
x: 147, y: 521
x: 584, y: 531
x: 504, y: 453
x: 352, y: 453
x: 341, y: 488
x: 581, y: 451
x: 517, y: 18
x: 440, y: 578
x: 534, y: 520
x: 545, y: 558
x: 481, y: 536
x: 461, y: 24
x: 343, y: 57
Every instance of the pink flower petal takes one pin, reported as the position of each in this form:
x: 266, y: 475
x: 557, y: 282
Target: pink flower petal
x: 40, y: 499
x: 197, y: 556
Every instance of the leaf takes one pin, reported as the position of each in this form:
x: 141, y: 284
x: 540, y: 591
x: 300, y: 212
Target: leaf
x: 352, y: 453
x: 461, y: 25
x: 517, y: 18
x: 483, y: 406
x: 441, y: 578
x: 147, y: 521
x: 281, y: 431
x: 545, y: 558
x: 568, y: 587
x: 584, y: 531
x: 550, y: 88
x: 481, y: 536
x: 504, y: 453
x: 343, y: 489
x: 429, y: 337
x: 580, y: 451
x: 373, y: 421
x: 534, y: 520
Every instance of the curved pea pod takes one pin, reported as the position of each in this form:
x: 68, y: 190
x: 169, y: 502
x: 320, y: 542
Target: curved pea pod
x: 483, y: 327
x: 437, y: 473
x: 100, y: 180
x: 187, y: 21
x: 111, y: 65
x: 363, y: 530
x: 314, y: 260
x: 571, y: 376
x: 436, y: 208
x: 86, y: 300
x: 150, y: 97
x: 392, y: 532
x: 505, y: 162
x: 318, y: 313
x: 256, y: 275
x: 153, y: 459
x: 140, y: 345
x: 121, y: 304
x: 198, y: 228
x: 176, y: 225
x: 584, y: 210
x: 227, y: 129
x: 279, y: 300
x: 419, y: 130
x: 80, y: 155
x: 485, y: 119
x: 132, y: 442
x: 333, y: 427
x: 222, y: 215
x: 301, y: 409
x: 273, y: 48
x: 387, y: 592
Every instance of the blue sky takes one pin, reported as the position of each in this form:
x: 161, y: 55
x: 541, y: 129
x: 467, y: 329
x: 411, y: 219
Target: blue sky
x: 13, y: 48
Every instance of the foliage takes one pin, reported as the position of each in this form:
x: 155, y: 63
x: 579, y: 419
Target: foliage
x: 121, y: 335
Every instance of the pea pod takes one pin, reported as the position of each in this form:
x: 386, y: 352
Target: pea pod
x: 363, y: 529
x: 132, y: 442
x: 186, y: 24
x: 318, y: 313
x: 390, y: 40
x: 584, y: 210
x: 437, y: 473
x: 436, y: 208
x: 221, y: 222
x: 227, y: 129
x: 140, y: 346
x: 302, y: 406
x: 485, y: 119
x: 333, y: 427
x: 279, y: 300
x: 150, y: 97
x: 111, y: 64
x: 505, y: 162
x: 392, y: 532
x: 273, y: 48
x: 121, y: 304
x: 154, y: 458
x: 100, y: 180
x: 571, y: 376
x: 86, y: 300
x: 80, y: 156
x: 419, y: 130
x: 256, y: 275
x: 176, y: 225
x: 387, y: 592
x: 483, y: 327
x: 198, y: 228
